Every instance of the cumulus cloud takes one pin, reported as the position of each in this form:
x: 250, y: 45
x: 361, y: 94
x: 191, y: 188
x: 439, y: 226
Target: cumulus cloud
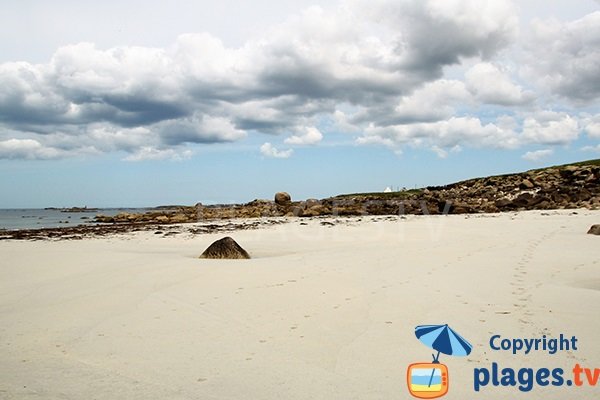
x: 442, y: 32
x: 443, y: 153
x: 375, y: 68
x: 200, y: 91
x: 150, y: 153
x: 198, y: 129
x: 550, y: 128
x: 537, y: 155
x: 592, y: 126
x: 565, y: 57
x: 306, y: 136
x: 446, y: 134
x: 28, y: 149
x: 593, y: 149
x: 268, y: 150
x: 489, y: 84
x: 435, y: 101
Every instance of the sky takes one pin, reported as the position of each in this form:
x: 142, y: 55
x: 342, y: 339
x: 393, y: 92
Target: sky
x: 142, y: 103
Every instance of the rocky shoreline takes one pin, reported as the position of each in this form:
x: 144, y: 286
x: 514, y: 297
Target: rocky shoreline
x: 571, y: 186
x: 106, y: 230
x: 561, y: 187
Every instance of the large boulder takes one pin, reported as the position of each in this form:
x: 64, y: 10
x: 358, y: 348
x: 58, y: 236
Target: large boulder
x: 311, y: 203
x: 594, y: 230
x: 283, y: 199
x: 225, y: 248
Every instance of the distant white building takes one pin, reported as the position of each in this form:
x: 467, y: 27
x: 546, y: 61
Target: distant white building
x: 388, y: 190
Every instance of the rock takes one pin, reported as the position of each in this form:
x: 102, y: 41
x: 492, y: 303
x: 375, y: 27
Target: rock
x: 259, y: 203
x: 526, y: 184
x: 283, y: 199
x: 501, y: 203
x: 312, y: 202
x: 179, y: 218
x: 591, y: 179
x: 594, y: 230
x: 316, y: 211
x: 162, y: 219
x: 225, y: 248
x: 460, y: 208
x: 294, y: 211
x: 522, y: 200
x: 104, y: 219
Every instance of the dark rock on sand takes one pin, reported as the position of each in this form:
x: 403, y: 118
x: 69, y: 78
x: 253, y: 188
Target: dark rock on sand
x: 225, y: 248
x: 594, y: 230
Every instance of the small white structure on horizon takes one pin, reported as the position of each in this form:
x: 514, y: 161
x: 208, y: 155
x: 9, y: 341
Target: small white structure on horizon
x: 388, y: 190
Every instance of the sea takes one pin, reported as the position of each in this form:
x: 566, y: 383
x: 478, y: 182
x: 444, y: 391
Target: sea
x: 35, y: 218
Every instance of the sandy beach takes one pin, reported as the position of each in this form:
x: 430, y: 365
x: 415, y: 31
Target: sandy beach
x: 320, y: 311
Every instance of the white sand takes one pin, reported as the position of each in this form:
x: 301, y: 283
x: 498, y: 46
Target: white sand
x: 318, y: 313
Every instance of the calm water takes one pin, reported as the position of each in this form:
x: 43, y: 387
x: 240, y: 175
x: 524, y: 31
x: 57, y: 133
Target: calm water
x: 39, y: 218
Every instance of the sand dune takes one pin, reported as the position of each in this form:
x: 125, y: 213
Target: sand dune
x: 319, y: 312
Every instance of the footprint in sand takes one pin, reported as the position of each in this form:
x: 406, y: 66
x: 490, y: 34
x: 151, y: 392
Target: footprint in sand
x: 523, y: 297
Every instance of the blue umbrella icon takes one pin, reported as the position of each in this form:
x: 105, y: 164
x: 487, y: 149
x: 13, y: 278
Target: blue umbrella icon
x: 443, y: 339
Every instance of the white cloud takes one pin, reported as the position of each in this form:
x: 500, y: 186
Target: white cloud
x: 442, y: 32
x: 307, y: 136
x: 28, y: 149
x: 268, y: 150
x: 149, y: 153
x: 593, y: 149
x: 550, y: 128
x: 445, y: 135
x: 342, y: 123
x: 435, y: 101
x: 592, y: 127
x: 565, y: 57
x: 198, y: 90
x: 107, y: 138
x: 443, y: 153
x: 489, y: 84
x: 378, y: 69
x: 537, y: 155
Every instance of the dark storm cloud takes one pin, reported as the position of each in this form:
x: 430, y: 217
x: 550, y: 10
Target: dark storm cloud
x: 136, y: 111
